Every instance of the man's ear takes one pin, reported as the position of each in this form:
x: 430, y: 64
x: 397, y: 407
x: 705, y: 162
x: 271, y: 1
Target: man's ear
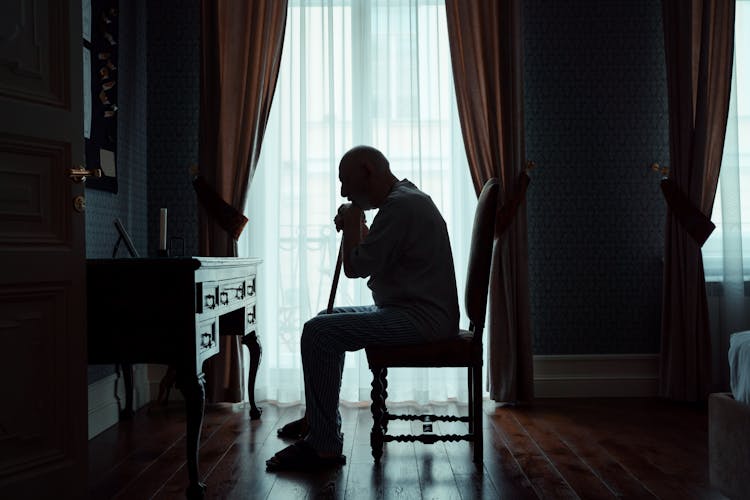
x: 369, y: 168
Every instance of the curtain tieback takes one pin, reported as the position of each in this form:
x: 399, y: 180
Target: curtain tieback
x: 228, y: 217
x: 697, y: 225
x: 508, y: 211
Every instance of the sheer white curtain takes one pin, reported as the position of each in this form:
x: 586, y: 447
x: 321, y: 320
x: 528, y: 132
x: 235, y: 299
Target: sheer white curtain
x: 726, y: 254
x: 353, y: 72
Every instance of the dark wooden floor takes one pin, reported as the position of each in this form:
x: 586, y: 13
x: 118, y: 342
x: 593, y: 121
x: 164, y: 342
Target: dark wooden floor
x: 563, y: 448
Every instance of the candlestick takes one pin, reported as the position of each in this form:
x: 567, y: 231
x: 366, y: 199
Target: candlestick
x: 162, y: 230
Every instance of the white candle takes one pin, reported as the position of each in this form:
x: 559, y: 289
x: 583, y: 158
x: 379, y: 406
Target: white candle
x: 163, y: 229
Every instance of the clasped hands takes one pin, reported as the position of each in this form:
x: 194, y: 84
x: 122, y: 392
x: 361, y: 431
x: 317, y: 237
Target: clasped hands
x: 350, y: 215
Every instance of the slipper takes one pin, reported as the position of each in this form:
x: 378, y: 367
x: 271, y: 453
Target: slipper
x: 296, y: 429
x: 302, y: 457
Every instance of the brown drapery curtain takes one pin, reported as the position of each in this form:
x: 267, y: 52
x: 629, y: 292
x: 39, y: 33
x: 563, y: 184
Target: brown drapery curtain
x: 486, y: 53
x: 241, y: 44
x: 699, y: 45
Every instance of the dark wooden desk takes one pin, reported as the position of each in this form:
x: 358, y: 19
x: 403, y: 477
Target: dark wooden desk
x: 172, y: 311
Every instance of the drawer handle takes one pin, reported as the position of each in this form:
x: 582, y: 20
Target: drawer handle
x: 206, y: 339
x: 210, y: 301
x: 224, y: 298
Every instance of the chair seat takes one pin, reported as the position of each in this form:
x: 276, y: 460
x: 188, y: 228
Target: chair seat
x: 453, y: 352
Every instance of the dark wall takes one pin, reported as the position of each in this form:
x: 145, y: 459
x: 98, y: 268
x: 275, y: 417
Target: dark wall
x: 174, y: 102
x: 596, y: 117
x: 130, y: 202
x: 157, y: 129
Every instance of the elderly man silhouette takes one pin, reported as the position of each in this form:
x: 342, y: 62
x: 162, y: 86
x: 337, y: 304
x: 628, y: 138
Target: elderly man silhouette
x: 407, y: 257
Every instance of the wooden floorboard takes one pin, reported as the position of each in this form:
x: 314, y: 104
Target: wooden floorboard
x: 574, y: 471
x: 545, y: 478
x: 581, y: 443
x: 503, y: 468
x: 552, y: 448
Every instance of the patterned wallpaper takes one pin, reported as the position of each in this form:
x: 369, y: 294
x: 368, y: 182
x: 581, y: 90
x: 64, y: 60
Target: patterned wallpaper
x: 159, y: 93
x: 129, y: 203
x: 173, y: 105
x: 596, y: 117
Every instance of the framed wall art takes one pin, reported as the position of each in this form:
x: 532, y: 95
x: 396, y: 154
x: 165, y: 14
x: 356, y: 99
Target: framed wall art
x: 100, y: 72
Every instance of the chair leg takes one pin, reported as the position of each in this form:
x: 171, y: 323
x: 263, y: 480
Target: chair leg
x: 470, y: 379
x: 384, y: 382
x: 478, y: 434
x: 377, y: 407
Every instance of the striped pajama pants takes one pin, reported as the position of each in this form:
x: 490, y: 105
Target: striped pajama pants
x: 325, y: 340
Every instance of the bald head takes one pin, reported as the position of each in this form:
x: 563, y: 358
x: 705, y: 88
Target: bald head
x: 365, y: 176
x: 360, y: 155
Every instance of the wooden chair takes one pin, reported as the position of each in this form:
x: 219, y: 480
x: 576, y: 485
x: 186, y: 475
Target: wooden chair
x: 465, y: 350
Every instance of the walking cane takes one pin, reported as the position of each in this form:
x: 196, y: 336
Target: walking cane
x: 336, y: 274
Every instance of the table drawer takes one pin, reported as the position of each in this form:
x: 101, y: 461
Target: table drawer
x: 225, y: 295
x: 207, y: 338
x: 251, y: 318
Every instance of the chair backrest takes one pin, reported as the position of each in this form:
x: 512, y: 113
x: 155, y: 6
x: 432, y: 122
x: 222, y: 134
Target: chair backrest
x: 480, y: 255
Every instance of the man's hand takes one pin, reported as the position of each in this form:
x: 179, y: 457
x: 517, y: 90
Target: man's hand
x: 350, y: 215
x: 351, y: 220
x: 340, y: 214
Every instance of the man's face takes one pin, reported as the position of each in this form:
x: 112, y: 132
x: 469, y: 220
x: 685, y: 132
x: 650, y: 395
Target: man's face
x: 354, y: 184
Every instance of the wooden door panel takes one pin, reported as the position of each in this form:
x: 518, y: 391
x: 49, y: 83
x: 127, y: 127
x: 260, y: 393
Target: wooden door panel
x: 31, y: 67
x: 32, y: 198
x: 35, y: 430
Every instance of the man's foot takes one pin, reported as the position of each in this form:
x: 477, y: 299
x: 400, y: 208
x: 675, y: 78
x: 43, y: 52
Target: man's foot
x: 296, y: 429
x: 300, y: 456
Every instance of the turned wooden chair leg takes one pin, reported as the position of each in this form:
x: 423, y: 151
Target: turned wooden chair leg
x: 384, y: 382
x: 377, y: 407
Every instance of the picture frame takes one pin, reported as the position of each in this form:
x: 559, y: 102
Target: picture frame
x: 124, y: 237
x: 100, y: 79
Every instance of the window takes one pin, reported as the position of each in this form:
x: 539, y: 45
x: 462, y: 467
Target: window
x: 353, y: 72
x: 729, y: 246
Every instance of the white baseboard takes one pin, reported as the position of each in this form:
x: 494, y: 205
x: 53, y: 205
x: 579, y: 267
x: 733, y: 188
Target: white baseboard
x: 107, y: 396
x: 596, y: 375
